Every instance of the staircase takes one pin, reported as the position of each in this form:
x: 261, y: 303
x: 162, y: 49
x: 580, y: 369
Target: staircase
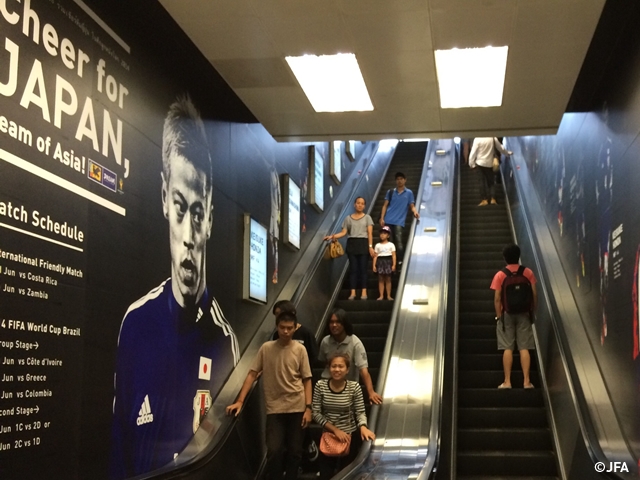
x: 500, y: 433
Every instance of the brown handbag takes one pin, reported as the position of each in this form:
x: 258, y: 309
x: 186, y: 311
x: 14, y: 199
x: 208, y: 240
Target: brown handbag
x: 335, y: 249
x: 332, y: 447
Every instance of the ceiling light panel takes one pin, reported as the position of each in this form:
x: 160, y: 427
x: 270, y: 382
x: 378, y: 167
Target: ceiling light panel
x: 471, y: 77
x: 332, y: 83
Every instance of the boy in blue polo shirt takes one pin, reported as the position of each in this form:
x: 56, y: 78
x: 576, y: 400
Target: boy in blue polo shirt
x: 397, y: 203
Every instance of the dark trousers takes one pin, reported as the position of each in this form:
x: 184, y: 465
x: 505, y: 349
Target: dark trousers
x: 397, y: 238
x: 329, y: 466
x: 487, y: 185
x: 284, y: 432
x: 358, y: 270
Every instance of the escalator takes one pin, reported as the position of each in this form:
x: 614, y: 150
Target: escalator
x: 371, y: 318
x: 500, y: 433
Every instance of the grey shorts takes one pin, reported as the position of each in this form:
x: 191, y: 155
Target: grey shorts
x: 517, y: 330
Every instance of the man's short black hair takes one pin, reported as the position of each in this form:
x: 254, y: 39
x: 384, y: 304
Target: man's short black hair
x: 286, y: 316
x: 511, y: 254
x: 400, y: 175
x: 284, y: 306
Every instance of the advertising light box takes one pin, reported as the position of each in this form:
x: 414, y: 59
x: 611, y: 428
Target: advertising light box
x: 316, y: 179
x: 255, y: 261
x: 291, y: 214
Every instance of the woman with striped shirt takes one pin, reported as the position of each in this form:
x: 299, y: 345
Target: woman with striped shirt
x: 338, y: 406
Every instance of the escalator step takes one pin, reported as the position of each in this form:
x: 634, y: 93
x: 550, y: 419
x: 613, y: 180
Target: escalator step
x: 530, y: 439
x: 477, y: 331
x: 493, y: 397
x: 477, y: 345
x: 493, y: 378
x: 519, y: 417
x: 506, y: 462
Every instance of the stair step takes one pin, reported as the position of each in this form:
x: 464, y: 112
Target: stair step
x: 478, y: 306
x: 477, y: 331
x: 493, y: 397
x: 371, y: 329
x: 477, y: 345
x: 486, y: 361
x: 482, y: 439
x: 505, y: 462
x: 493, y: 378
x: 515, y: 417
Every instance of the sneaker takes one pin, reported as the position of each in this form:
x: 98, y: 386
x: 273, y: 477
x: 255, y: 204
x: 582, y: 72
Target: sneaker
x: 312, y: 451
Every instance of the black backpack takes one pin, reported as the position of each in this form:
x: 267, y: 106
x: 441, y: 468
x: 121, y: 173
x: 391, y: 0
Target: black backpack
x: 517, y: 294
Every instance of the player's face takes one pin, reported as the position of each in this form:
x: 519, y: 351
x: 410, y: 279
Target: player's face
x: 187, y: 206
x: 400, y: 181
x: 360, y: 205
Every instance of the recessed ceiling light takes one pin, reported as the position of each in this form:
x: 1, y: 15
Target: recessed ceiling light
x: 471, y: 77
x: 332, y: 83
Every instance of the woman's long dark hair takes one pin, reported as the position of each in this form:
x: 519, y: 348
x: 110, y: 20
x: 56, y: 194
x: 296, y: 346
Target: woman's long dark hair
x: 341, y: 315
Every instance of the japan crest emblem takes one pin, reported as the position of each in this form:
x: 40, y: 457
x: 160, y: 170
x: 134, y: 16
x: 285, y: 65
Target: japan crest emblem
x: 201, y: 405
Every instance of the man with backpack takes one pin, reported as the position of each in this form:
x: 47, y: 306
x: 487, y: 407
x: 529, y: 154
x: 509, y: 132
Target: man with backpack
x: 515, y: 300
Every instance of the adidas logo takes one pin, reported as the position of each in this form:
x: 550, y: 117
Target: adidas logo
x: 145, y: 415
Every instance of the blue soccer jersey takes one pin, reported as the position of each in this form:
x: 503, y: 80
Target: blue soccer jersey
x: 171, y: 363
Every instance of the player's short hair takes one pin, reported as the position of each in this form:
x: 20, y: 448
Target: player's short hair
x: 286, y: 316
x: 511, y: 253
x: 184, y: 134
x: 400, y: 175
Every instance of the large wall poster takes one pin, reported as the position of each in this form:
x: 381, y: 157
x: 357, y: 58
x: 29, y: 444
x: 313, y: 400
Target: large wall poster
x: 84, y: 243
x: 67, y: 159
x: 123, y: 183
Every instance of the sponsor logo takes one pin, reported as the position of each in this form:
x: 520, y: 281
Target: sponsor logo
x: 95, y: 172
x: 205, y: 369
x: 201, y: 405
x: 145, y: 415
x: 102, y: 175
